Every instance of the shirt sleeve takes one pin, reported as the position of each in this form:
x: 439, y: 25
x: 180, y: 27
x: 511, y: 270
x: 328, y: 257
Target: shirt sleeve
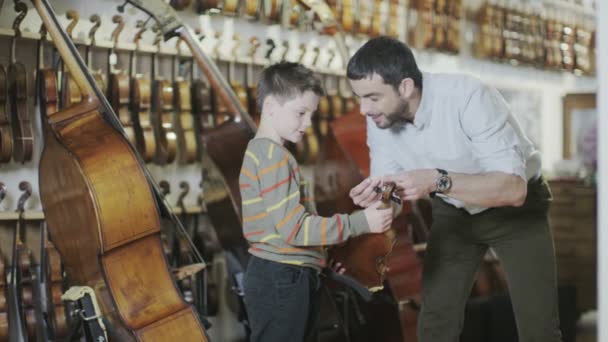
x: 280, y: 192
x: 493, y: 131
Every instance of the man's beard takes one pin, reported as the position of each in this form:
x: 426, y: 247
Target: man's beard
x: 397, y: 116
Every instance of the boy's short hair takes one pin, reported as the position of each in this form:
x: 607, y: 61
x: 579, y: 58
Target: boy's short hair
x: 286, y: 80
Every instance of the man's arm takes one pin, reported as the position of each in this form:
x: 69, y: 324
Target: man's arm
x: 490, y: 189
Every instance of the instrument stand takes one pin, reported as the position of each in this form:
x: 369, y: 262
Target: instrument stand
x: 87, y: 314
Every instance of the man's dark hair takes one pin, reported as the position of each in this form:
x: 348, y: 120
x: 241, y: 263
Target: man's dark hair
x: 286, y: 80
x: 387, y: 57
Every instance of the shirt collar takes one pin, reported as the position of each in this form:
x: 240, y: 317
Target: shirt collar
x: 423, y: 114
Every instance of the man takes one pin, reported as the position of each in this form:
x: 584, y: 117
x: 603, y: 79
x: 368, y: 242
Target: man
x: 454, y: 138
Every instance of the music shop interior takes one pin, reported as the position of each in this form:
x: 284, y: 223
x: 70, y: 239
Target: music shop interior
x: 123, y: 128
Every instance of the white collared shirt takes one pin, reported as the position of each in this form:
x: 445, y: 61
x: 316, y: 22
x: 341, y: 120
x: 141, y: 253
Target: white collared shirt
x: 461, y: 125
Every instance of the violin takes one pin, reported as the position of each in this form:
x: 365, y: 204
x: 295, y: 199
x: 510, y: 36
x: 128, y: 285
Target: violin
x: 272, y: 10
x: 140, y: 106
x: 203, y: 113
x: 162, y: 113
x: 23, y: 138
x: 97, y: 74
x: 377, y: 27
x: 364, y: 14
x: 346, y: 17
x: 119, y: 90
x: 186, y: 138
x: 452, y: 43
x: 202, y: 6
x: 53, y: 272
x: 6, y: 139
x: 439, y: 24
x: 230, y: 7
x: 20, y: 311
x: 252, y: 8
x: 202, y: 108
x: 106, y: 225
x: 425, y: 28
x: 69, y: 90
x: 4, y: 321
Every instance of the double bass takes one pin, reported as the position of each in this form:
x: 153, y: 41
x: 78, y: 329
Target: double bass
x: 103, y: 212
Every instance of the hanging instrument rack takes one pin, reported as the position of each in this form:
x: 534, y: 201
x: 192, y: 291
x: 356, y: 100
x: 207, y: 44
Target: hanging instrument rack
x: 165, y: 50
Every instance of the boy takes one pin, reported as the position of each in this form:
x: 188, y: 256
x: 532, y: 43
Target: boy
x: 287, y: 238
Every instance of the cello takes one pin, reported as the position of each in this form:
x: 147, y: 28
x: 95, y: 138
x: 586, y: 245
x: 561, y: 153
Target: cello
x: 103, y: 210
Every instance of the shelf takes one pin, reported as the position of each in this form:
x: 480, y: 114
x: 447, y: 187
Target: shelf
x: 35, y: 215
x: 31, y: 215
x: 164, y: 50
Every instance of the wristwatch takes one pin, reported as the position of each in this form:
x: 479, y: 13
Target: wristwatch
x: 443, y: 183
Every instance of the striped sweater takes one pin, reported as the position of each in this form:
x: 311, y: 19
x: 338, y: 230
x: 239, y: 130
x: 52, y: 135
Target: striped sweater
x: 279, y: 217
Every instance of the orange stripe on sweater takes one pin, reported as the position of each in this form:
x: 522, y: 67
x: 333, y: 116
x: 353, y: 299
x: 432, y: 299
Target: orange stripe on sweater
x: 255, y: 217
x: 289, y: 216
x: 274, y: 166
x: 293, y: 232
x: 284, y: 181
x: 249, y: 174
x: 292, y: 250
x: 245, y: 186
x: 323, y: 231
x: 257, y: 232
x: 269, y: 189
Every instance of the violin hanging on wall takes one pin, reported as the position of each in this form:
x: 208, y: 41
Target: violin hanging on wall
x: 23, y: 138
x: 6, y: 138
x: 231, y: 135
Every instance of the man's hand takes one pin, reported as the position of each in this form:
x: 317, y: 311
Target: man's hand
x: 363, y: 194
x: 415, y: 184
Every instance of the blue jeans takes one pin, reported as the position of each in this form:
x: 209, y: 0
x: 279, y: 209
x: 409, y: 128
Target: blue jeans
x: 282, y: 301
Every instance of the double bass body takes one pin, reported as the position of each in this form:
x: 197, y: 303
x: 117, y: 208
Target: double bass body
x: 103, y: 216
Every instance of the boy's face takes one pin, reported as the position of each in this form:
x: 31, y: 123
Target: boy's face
x: 292, y: 116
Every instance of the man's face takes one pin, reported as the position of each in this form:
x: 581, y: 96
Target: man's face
x: 380, y: 101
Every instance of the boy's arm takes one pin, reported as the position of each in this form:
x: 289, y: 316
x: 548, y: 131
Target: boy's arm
x: 307, y: 198
x: 280, y: 193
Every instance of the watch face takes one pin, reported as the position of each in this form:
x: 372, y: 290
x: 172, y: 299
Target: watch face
x: 443, y: 183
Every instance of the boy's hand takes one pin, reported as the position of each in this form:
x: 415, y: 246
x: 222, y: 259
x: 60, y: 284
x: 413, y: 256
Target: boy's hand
x: 379, y: 219
x: 336, y: 266
x: 363, y: 194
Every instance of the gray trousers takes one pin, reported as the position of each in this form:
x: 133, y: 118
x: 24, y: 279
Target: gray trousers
x: 521, y: 238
